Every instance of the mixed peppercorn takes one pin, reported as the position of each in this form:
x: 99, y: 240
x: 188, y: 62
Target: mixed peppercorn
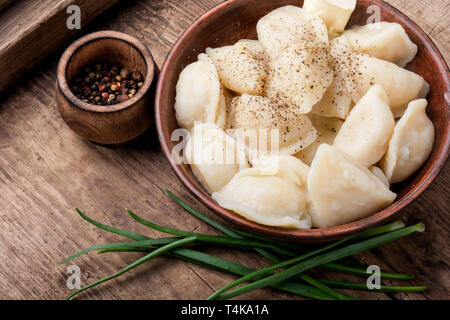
x: 106, y: 84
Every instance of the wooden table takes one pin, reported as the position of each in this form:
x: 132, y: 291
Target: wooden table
x: 46, y: 171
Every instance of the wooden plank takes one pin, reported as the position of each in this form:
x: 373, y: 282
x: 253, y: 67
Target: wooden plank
x: 4, y: 4
x: 46, y: 171
x: 31, y: 30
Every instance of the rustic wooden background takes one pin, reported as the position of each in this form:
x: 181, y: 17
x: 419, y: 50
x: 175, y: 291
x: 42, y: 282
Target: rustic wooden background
x: 46, y: 171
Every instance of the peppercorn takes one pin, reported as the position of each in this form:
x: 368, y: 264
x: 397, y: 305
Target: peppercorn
x: 101, y: 84
x: 115, y: 68
x: 136, y: 76
x: 122, y: 98
x: 124, y: 73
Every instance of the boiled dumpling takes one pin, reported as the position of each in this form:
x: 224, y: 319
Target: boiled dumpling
x: 214, y: 156
x: 336, y: 101
x: 335, y: 13
x: 226, y: 97
x: 297, y: 172
x: 253, y: 47
x: 266, y: 196
x: 342, y: 190
x: 300, y: 77
x: 240, y: 69
x: 362, y: 71
x: 380, y: 175
x: 197, y: 93
x: 261, y: 121
x: 365, y: 134
x: 384, y: 40
x: 327, y: 129
x: 411, y: 143
x: 296, y: 43
x: 290, y: 26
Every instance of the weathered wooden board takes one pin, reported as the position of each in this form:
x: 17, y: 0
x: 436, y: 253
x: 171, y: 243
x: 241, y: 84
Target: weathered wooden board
x: 46, y: 171
x: 4, y: 4
x: 31, y: 30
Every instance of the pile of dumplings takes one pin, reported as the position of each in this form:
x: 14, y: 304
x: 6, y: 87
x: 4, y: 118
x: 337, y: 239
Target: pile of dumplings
x: 350, y: 120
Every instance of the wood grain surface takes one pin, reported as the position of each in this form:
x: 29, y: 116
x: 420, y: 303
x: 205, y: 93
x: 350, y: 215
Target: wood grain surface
x: 31, y: 30
x: 46, y: 171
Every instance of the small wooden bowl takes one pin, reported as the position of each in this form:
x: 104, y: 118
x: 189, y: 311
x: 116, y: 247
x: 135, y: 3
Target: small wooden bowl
x: 114, y: 124
x: 236, y: 19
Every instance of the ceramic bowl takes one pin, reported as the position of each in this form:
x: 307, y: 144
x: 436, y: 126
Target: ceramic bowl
x: 236, y: 19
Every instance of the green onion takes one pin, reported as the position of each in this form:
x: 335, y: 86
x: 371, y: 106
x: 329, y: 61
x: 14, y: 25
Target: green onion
x: 239, y: 234
x: 325, y: 258
x: 322, y: 286
x: 266, y: 270
x: 202, y: 217
x: 363, y: 272
x: 336, y: 259
x: 128, y: 234
x: 220, y: 239
x: 207, y: 261
x: 142, y: 243
x: 363, y: 286
x: 287, y: 245
x: 138, y: 262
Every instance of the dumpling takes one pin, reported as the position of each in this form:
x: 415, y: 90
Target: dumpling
x: 239, y: 69
x: 383, y: 40
x: 380, y: 175
x: 336, y: 101
x: 298, y: 173
x: 335, y: 13
x: 327, y: 129
x: 296, y: 166
x: 197, y: 93
x: 411, y: 143
x: 401, y: 85
x: 253, y: 47
x: 214, y: 156
x: 226, y: 97
x: 365, y: 134
x: 342, y: 190
x: 290, y: 26
x: 296, y: 43
x: 266, y: 196
x: 261, y: 121
x: 300, y: 77
x: 362, y: 71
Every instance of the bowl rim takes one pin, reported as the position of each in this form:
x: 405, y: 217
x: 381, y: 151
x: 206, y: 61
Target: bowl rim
x: 305, y: 235
x: 71, y: 50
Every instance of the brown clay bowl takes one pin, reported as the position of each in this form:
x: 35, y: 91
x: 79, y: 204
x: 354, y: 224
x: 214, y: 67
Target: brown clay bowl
x: 236, y: 19
x: 114, y: 124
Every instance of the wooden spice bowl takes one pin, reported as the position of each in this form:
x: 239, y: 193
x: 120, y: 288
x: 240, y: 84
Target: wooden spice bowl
x: 236, y: 19
x: 111, y: 124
